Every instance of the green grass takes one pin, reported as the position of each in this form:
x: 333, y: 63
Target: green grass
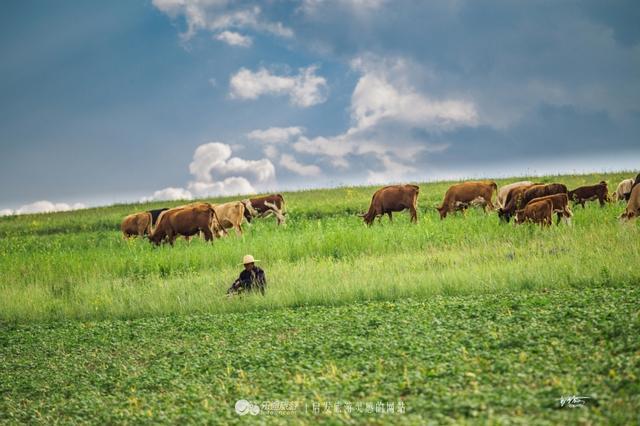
x: 76, y: 264
x: 449, y: 359
x: 465, y: 320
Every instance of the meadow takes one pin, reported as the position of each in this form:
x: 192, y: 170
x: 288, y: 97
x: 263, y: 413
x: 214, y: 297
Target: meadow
x: 466, y: 319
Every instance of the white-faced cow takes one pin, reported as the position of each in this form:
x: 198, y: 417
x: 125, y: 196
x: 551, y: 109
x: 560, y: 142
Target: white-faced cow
x: 268, y: 205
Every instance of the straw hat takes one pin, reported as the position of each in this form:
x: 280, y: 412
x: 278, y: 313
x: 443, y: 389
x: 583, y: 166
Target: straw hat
x: 248, y: 259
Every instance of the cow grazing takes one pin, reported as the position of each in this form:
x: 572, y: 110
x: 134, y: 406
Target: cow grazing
x: 187, y: 221
x: 519, y: 197
x: 230, y: 215
x: 155, y: 214
x: 623, y: 191
x: 136, y: 224
x: 394, y: 198
x: 633, y: 205
x: 503, y: 192
x: 466, y: 192
x: 265, y: 206
x: 560, y: 206
x: 536, y: 212
x: 583, y: 194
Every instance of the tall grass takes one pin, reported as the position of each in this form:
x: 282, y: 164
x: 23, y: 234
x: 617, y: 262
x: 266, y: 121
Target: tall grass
x: 76, y: 264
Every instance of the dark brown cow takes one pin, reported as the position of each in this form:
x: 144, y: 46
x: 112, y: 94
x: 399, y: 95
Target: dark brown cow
x: 155, y: 214
x: 583, y: 194
x: 464, y: 193
x: 186, y: 221
x: 395, y: 198
x: 519, y: 197
x: 560, y: 206
x: 265, y: 206
x: 536, y: 212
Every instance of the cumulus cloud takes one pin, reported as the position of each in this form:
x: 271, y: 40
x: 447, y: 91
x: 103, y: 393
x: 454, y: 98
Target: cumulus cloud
x: 234, y: 39
x: 213, y: 160
x: 385, y: 109
x: 169, y: 193
x: 219, y: 15
x: 289, y: 162
x: 42, y: 206
x: 215, y: 172
x: 304, y: 89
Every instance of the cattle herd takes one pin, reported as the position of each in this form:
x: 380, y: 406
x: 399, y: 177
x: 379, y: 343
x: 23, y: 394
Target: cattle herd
x: 210, y: 220
x: 523, y: 201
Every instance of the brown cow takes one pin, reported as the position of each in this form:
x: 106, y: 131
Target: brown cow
x: 583, y: 194
x: 519, y: 197
x: 136, y: 224
x: 560, y: 206
x: 394, y: 198
x: 466, y: 192
x: 633, y: 206
x: 504, y: 191
x: 187, y: 221
x: 536, y: 212
x: 230, y: 215
x: 265, y: 206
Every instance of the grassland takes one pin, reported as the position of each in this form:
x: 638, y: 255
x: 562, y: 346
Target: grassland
x: 463, y: 320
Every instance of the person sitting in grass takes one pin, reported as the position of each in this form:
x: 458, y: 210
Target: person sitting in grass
x: 251, y: 279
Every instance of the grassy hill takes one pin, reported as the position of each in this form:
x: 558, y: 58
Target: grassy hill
x: 463, y: 320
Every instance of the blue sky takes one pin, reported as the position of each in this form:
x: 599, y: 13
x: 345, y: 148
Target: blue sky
x: 105, y: 102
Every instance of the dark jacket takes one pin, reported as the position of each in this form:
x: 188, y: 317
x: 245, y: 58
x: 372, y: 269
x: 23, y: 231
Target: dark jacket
x: 249, y: 281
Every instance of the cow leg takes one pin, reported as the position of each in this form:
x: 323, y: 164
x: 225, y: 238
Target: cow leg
x: 238, y: 230
x: 390, y: 217
x: 208, y: 235
x: 414, y: 214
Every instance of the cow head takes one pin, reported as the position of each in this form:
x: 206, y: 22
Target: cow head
x: 249, y: 211
x: 504, y: 215
x: 368, y: 219
x: 443, y: 211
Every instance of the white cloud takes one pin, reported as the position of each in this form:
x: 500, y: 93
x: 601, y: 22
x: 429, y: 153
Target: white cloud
x: 289, y: 162
x: 216, y: 173
x: 304, y: 89
x: 275, y: 135
x: 169, y: 193
x: 219, y: 15
x: 228, y: 186
x: 42, y: 206
x: 234, y: 39
x: 384, y: 110
x: 214, y: 159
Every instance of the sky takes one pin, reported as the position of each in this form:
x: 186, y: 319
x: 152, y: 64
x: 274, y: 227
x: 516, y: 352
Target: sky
x: 105, y: 102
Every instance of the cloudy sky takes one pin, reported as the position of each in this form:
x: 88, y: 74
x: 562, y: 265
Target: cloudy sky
x: 104, y: 102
